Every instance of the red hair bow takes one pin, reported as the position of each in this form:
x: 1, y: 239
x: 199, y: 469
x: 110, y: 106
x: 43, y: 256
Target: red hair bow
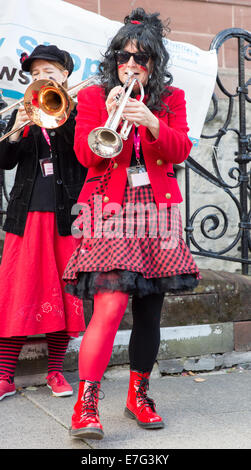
x: 24, y: 56
x: 136, y: 22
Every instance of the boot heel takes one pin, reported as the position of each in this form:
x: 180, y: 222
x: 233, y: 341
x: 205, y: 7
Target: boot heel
x: 129, y: 414
x: 87, y: 433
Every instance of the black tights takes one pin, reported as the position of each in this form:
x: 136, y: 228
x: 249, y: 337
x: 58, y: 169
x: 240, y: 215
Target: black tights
x: 145, y: 336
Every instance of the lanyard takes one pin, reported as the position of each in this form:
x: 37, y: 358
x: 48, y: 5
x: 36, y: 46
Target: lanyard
x: 137, y: 147
x: 47, y: 138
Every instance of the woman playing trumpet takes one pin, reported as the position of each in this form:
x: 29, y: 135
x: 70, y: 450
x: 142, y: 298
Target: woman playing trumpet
x: 124, y: 258
x: 38, y: 241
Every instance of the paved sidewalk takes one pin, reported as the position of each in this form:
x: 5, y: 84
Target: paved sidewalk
x: 211, y: 414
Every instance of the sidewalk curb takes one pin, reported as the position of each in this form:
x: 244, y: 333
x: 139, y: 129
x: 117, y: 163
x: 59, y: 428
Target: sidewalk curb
x: 194, y: 347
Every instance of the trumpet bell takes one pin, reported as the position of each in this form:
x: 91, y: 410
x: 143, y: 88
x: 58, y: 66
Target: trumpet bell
x: 105, y: 142
x: 47, y: 104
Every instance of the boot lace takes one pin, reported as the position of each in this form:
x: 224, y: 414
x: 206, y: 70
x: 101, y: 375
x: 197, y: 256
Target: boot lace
x: 6, y: 377
x: 141, y: 394
x: 90, y: 398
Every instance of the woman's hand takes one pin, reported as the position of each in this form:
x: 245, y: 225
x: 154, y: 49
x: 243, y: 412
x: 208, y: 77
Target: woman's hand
x: 21, y: 119
x: 113, y: 98
x: 138, y: 113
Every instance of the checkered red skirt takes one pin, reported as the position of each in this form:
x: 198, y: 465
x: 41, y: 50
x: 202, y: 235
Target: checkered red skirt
x: 140, y: 251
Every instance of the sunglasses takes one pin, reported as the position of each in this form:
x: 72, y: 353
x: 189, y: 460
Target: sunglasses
x: 140, y: 58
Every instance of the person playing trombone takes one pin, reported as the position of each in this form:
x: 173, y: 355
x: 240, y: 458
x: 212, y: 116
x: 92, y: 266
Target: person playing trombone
x: 38, y: 238
x: 114, y: 258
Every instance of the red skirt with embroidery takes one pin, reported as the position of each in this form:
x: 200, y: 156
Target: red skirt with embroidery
x: 33, y: 300
x: 140, y: 251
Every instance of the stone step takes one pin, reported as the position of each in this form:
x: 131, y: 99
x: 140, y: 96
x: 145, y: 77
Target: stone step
x: 214, y: 319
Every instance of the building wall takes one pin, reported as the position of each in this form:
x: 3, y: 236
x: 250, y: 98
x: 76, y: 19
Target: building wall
x: 193, y: 21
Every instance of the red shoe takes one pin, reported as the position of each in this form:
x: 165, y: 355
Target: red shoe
x: 59, y: 386
x: 139, y: 406
x: 85, y: 419
x: 6, y: 388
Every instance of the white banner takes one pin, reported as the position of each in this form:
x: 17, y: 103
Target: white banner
x: 26, y: 23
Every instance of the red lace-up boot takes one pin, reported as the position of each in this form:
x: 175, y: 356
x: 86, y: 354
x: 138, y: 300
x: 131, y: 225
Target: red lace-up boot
x: 85, y: 419
x: 139, y: 406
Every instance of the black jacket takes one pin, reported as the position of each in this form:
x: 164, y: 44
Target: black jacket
x: 69, y: 174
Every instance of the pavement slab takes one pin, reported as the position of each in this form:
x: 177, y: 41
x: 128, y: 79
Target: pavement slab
x: 213, y: 414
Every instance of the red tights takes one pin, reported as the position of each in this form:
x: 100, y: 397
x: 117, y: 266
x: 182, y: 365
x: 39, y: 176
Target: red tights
x: 97, y: 343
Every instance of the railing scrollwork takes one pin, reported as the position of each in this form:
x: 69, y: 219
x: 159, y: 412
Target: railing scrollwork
x: 239, y: 175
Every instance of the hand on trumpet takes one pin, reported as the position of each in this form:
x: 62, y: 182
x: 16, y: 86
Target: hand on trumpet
x: 138, y: 113
x: 114, y: 98
x: 21, y: 119
x: 117, y: 93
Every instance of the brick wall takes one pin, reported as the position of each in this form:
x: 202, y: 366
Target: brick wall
x: 193, y: 21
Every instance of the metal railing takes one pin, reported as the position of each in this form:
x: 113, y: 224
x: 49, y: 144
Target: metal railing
x: 240, y: 172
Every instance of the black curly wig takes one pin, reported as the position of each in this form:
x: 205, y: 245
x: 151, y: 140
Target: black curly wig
x: 147, y: 31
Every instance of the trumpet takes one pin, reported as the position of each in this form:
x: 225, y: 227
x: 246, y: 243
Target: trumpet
x: 106, y: 141
x: 48, y: 104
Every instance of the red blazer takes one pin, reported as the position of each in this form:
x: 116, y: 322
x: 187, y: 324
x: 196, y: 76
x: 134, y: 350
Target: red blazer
x: 172, y: 146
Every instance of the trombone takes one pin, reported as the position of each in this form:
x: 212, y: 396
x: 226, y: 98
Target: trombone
x: 106, y: 141
x: 47, y: 103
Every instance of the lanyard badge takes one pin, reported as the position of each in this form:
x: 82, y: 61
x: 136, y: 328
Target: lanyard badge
x: 46, y: 164
x: 137, y: 175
